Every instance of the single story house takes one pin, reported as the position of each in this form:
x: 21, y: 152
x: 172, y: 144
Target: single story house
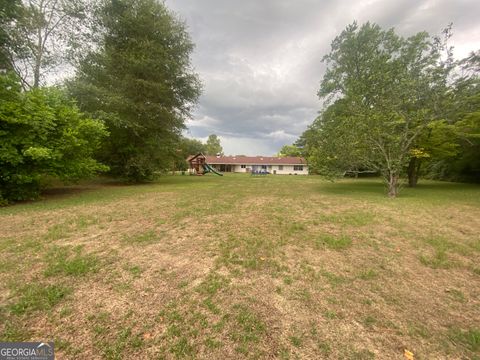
x: 288, y: 165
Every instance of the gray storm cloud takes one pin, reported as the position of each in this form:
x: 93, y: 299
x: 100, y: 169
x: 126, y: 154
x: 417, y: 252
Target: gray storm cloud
x: 260, y: 61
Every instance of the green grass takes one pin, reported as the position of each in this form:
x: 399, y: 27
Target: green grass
x: 135, y: 270
x: 417, y: 329
x: 296, y: 341
x: 212, y: 284
x: 368, y: 274
x: 248, y: 328
x: 284, y: 267
x: 146, y: 237
x: 470, y: 338
x: 356, y: 218
x: 335, y: 242
x: 332, y: 278
x: 369, y: 321
x: 112, y: 344
x: 328, y: 314
x: 439, y: 260
x: 13, y: 332
x: 113, y: 349
x: 57, y: 231
x: 38, y: 297
x: 63, y: 261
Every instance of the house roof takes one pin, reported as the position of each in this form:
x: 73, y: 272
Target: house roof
x: 255, y: 160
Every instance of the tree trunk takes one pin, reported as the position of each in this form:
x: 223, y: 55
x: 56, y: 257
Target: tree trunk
x: 36, y: 76
x: 413, y: 171
x: 393, y: 184
x: 38, y: 60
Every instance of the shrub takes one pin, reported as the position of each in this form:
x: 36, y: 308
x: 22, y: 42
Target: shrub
x: 42, y: 132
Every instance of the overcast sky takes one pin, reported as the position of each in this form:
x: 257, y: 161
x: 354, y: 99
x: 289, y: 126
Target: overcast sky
x: 260, y: 60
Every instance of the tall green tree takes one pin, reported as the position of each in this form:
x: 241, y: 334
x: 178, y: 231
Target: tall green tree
x: 10, y: 14
x: 460, y: 142
x: 332, y: 149
x: 44, y: 37
x: 191, y: 146
x: 42, y: 133
x: 140, y: 81
x: 187, y: 147
x: 467, y: 88
x: 213, y: 145
x: 290, y: 150
x: 389, y: 90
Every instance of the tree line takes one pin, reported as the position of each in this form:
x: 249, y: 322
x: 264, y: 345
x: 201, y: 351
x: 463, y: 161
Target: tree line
x: 124, y: 110
x: 188, y: 147
x: 395, y: 106
x: 392, y: 105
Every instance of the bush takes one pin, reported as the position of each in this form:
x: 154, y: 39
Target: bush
x: 42, y: 132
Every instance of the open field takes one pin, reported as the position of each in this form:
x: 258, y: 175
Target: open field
x: 240, y: 267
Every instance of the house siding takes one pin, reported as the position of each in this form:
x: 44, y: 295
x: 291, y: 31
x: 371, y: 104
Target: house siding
x: 287, y: 169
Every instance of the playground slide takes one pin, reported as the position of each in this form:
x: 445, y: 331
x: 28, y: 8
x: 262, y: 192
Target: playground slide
x: 212, y: 169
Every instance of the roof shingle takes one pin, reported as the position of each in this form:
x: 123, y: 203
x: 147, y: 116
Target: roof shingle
x: 255, y: 160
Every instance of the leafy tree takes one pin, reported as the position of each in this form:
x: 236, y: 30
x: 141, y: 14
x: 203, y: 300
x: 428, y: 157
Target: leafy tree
x: 290, y: 150
x: 139, y: 80
x: 44, y: 36
x: 437, y: 143
x: 42, y: 133
x: 10, y: 13
x: 213, y: 146
x: 460, y: 145
x: 467, y: 90
x: 332, y: 149
x: 449, y: 147
x: 387, y: 89
x: 186, y: 148
x: 191, y: 146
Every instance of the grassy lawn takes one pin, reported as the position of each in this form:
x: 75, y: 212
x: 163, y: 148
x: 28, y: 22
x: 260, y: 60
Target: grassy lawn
x: 242, y: 267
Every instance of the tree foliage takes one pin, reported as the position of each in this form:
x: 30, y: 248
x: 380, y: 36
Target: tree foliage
x: 290, y: 150
x: 10, y: 13
x: 459, y: 158
x: 213, y: 145
x: 382, y: 92
x: 43, y: 37
x: 42, y: 133
x: 139, y: 80
x: 191, y: 146
x: 187, y: 147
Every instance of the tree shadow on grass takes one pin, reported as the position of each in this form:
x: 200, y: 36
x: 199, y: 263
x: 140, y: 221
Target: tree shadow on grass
x: 97, y: 190
x: 425, y: 190
x: 349, y: 187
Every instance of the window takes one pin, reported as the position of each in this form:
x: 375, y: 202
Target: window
x: 243, y: 166
x: 264, y: 167
x: 297, y: 167
x: 280, y: 167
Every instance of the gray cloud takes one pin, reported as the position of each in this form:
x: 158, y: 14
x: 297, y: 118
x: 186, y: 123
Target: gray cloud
x: 260, y: 61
